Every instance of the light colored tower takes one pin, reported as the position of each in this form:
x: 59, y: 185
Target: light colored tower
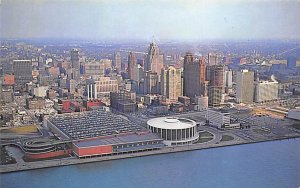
x: 118, y: 61
x: 154, y: 61
x: 131, y: 65
x: 213, y: 59
x: 171, y: 86
x: 245, y: 87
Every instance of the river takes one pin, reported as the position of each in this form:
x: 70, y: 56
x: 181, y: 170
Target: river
x: 268, y: 164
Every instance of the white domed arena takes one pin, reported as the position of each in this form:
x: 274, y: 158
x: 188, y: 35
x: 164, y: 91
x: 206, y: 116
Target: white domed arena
x: 174, y: 130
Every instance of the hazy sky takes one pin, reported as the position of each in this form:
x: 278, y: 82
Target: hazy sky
x: 141, y: 19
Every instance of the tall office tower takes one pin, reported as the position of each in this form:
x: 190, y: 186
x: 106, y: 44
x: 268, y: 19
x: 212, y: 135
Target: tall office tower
x: 291, y: 62
x: 75, y: 71
x: 131, y: 65
x: 154, y: 61
x: 213, y: 59
x: 217, y: 75
x: 23, y: 73
x: 203, y: 82
x: 245, y: 86
x: 118, y: 61
x: 41, y: 63
x: 138, y: 72
x: 228, y: 78
x: 193, y: 76
x: 171, y: 86
x: 151, y: 83
x: 75, y: 59
x: 216, y: 85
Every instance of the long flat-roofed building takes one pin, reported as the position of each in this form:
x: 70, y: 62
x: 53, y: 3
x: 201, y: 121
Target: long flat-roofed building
x: 99, y: 133
x: 220, y: 119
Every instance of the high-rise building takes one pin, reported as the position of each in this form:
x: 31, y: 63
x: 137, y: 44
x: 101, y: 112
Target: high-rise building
x: 228, y: 78
x: 216, y: 85
x: 75, y: 64
x: 154, y: 61
x: 171, y: 85
x: 151, y: 85
x: 75, y: 59
x: 216, y: 76
x: 291, y: 62
x: 131, y: 65
x: 23, y: 73
x: 193, y: 76
x: 138, y: 73
x: 266, y: 91
x: 245, y: 86
x: 213, y: 59
x: 118, y: 61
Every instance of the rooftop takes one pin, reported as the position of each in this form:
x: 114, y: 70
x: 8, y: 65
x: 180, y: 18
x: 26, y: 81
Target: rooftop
x: 92, y: 124
x: 171, y: 123
x: 118, y: 139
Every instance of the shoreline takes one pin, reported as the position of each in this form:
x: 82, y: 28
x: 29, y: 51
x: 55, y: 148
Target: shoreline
x: 166, y: 150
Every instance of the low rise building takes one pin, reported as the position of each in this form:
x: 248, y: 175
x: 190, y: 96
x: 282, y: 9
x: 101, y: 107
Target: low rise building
x: 35, y: 103
x: 220, y: 119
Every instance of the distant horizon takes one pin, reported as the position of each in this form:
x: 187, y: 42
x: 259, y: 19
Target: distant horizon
x: 163, y: 41
x: 166, y: 20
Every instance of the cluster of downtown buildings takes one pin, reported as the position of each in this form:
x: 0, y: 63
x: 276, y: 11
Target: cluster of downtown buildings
x: 76, y: 83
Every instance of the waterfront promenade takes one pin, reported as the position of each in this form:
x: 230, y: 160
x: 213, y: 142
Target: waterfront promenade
x: 73, y: 160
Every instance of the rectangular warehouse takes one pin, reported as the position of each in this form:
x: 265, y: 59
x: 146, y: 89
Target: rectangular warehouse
x: 118, y: 144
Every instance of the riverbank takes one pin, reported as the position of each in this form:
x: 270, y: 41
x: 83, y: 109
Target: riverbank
x: 166, y: 150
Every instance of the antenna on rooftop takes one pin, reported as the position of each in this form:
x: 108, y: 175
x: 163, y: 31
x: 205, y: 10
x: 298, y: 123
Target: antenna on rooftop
x: 153, y: 39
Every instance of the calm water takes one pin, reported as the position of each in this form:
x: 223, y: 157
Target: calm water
x: 270, y: 164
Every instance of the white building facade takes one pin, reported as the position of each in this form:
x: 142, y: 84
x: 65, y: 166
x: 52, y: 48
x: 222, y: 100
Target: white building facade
x: 266, y: 91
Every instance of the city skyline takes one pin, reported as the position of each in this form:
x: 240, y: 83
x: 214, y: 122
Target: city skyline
x: 140, y: 20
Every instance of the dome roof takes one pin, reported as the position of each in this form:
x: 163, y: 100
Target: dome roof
x: 171, y: 123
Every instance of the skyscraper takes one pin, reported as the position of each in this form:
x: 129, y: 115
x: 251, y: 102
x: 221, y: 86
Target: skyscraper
x: 138, y: 73
x: 118, y: 61
x: 213, y: 59
x: 131, y: 65
x: 23, y: 73
x: 216, y: 85
x: 171, y: 85
x: 151, y: 83
x: 245, y: 86
x: 75, y: 59
x: 154, y: 61
x: 193, y: 76
x: 75, y: 72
